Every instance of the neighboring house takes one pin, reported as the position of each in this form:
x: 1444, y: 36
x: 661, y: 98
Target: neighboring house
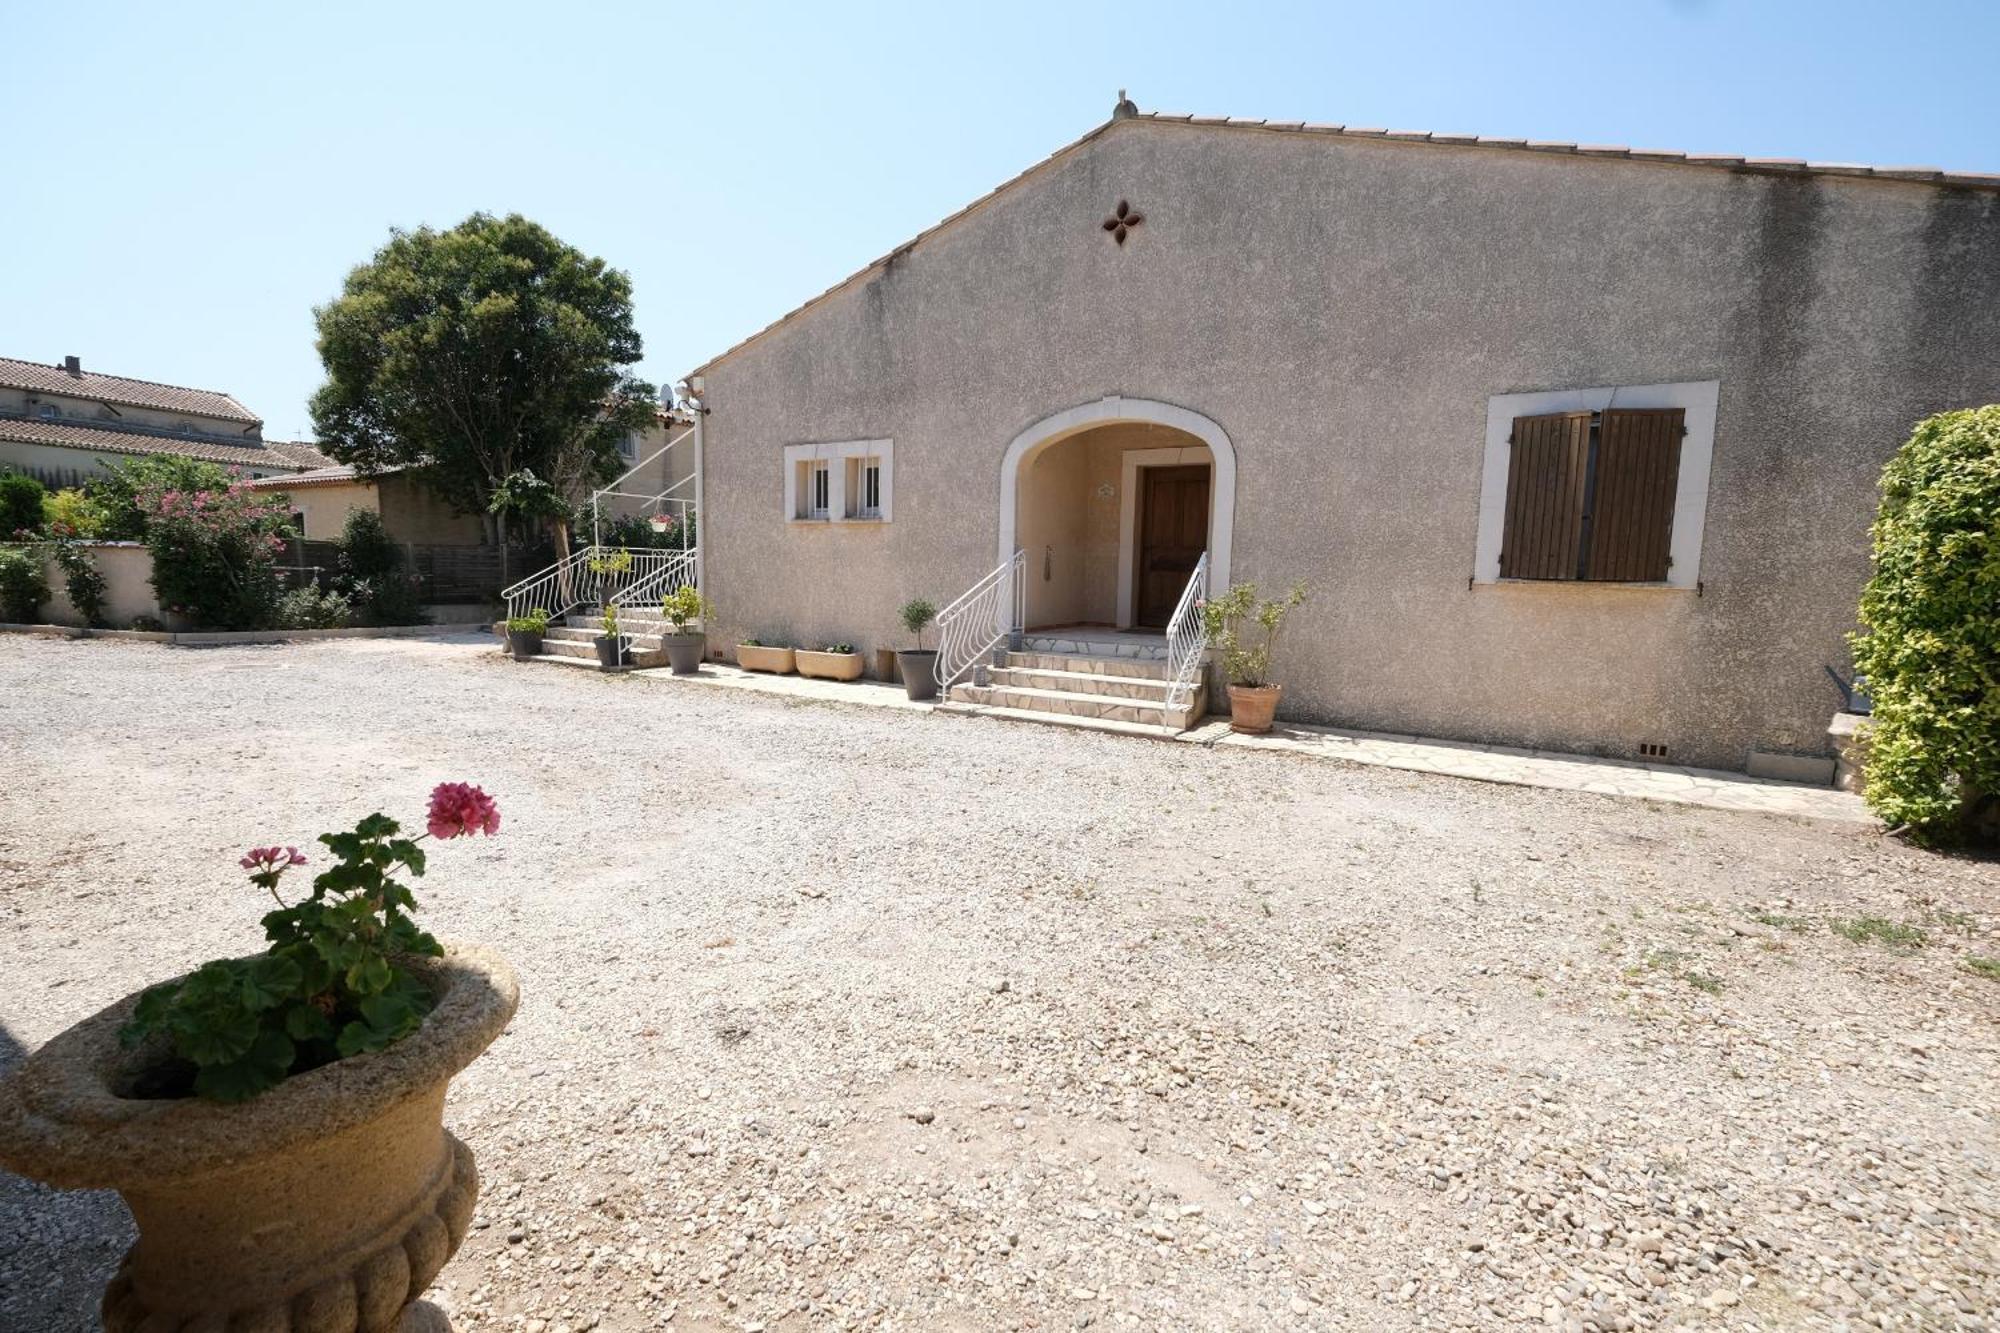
x: 1576, y: 446
x: 322, y: 499
x: 656, y: 471
x: 63, y: 425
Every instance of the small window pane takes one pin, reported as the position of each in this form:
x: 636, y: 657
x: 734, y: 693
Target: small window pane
x: 871, y: 488
x: 822, y: 490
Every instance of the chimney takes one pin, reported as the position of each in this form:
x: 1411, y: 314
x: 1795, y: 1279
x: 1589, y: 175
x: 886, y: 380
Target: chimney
x: 74, y: 365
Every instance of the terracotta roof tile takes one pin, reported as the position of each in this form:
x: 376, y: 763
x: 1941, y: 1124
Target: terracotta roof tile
x: 97, y: 439
x: 38, y: 378
x: 339, y: 474
x: 302, y: 453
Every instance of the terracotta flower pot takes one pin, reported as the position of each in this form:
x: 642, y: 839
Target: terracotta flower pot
x: 326, y: 1205
x: 1252, y: 707
x: 919, y: 668
x: 829, y: 666
x: 762, y: 657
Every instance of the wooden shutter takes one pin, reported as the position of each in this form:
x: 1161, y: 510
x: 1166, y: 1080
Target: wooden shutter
x: 1632, y: 499
x: 1545, y: 494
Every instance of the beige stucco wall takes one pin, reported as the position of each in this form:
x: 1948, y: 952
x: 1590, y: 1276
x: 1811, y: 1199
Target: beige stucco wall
x: 656, y: 476
x: 1343, y: 309
x: 127, y: 568
x: 90, y: 412
x: 323, y: 510
x: 412, y: 513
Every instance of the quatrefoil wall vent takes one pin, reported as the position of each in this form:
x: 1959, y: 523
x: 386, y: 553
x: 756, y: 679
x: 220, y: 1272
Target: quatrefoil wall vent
x: 1122, y: 220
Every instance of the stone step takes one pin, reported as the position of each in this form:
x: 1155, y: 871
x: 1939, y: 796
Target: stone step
x: 1065, y: 703
x: 1150, y: 689
x: 626, y: 624
x: 637, y: 652
x: 575, y: 634
x: 1148, y: 730
x: 1140, y: 667
x: 1139, y: 649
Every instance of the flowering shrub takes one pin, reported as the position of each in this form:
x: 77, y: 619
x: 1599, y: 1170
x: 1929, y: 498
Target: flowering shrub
x: 333, y: 982
x: 81, y: 580
x: 215, y: 553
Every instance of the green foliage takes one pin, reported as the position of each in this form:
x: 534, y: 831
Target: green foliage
x: 535, y: 622
x: 331, y: 984
x: 616, y: 563
x: 631, y: 530
x: 215, y: 553
x: 844, y: 649
x: 608, y: 622
x: 312, y: 607
x: 478, y: 352
x: 23, y: 585
x: 916, y: 614
x: 20, y: 506
x: 1880, y: 930
x: 1225, y: 618
x: 82, y: 582
x: 117, y: 492
x: 74, y: 513
x: 372, y: 575
x: 1981, y: 966
x: 1931, y: 650
x: 685, y: 605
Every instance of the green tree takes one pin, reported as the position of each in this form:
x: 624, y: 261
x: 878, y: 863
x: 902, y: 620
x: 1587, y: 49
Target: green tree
x: 479, y: 352
x: 1931, y: 650
x: 20, y: 506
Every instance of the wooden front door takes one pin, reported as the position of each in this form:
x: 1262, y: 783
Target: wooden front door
x: 1173, y: 532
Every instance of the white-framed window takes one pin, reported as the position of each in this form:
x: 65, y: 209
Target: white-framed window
x: 847, y: 481
x: 1605, y: 485
x: 49, y: 411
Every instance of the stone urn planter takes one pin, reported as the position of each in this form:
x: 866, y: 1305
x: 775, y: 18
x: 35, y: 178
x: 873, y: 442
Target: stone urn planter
x: 830, y: 666
x: 524, y: 644
x: 919, y: 668
x: 1253, y: 707
x: 763, y: 657
x: 684, y: 651
x: 325, y: 1205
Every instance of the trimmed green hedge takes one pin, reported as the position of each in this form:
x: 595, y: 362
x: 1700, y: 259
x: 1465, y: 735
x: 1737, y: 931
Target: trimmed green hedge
x: 1931, y: 650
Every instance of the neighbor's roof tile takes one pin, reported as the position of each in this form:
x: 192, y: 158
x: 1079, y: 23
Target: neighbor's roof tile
x: 39, y: 378
x: 98, y: 440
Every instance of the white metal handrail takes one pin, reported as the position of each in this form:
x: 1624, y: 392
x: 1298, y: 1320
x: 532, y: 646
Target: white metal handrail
x: 989, y: 611
x: 1187, y: 639
x: 554, y: 590
x: 655, y: 574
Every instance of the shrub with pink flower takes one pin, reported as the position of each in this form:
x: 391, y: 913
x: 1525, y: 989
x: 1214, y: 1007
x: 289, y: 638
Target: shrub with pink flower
x: 215, y: 552
x: 335, y: 981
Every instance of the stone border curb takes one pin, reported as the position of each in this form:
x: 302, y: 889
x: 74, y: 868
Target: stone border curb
x: 217, y: 638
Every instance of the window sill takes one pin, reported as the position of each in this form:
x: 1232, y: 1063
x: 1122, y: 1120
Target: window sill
x: 1583, y: 583
x: 837, y: 522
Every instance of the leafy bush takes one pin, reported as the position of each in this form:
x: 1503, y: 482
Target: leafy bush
x: 215, y: 554
x: 631, y: 530
x: 334, y: 982
x: 20, y: 506
x: 685, y: 605
x: 916, y: 614
x: 535, y: 622
x: 117, y: 492
x: 81, y: 580
x: 74, y: 513
x: 373, y: 576
x: 23, y: 585
x: 149, y: 624
x: 312, y: 607
x: 1224, y: 617
x: 842, y: 648
x: 1931, y: 650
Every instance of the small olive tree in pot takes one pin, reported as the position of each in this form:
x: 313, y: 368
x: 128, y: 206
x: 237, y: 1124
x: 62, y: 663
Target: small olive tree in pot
x: 918, y: 664
x: 1246, y: 659
x: 685, y: 647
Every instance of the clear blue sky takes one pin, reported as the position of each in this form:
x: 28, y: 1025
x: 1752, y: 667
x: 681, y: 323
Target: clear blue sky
x: 187, y: 180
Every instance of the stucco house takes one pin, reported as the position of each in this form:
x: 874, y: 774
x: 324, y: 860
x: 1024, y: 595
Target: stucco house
x: 62, y: 425
x: 322, y: 499
x: 1576, y: 446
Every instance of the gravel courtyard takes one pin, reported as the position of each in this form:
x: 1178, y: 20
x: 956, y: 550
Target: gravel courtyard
x: 838, y: 1018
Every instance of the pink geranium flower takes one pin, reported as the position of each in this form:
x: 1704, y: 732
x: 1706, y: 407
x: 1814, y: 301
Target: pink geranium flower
x: 271, y: 858
x: 458, y: 807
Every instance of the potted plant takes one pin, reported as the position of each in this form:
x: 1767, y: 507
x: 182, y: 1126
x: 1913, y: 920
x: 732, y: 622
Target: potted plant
x: 610, y: 643
x: 918, y: 664
x: 836, y: 661
x: 275, y: 1122
x: 756, y: 655
x: 524, y: 634
x: 1253, y: 700
x: 685, y: 647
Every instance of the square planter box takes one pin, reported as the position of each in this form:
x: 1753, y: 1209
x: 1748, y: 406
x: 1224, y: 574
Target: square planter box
x: 829, y: 666
x: 756, y: 657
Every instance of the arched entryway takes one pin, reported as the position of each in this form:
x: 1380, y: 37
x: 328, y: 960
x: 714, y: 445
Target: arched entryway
x: 1113, y: 502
